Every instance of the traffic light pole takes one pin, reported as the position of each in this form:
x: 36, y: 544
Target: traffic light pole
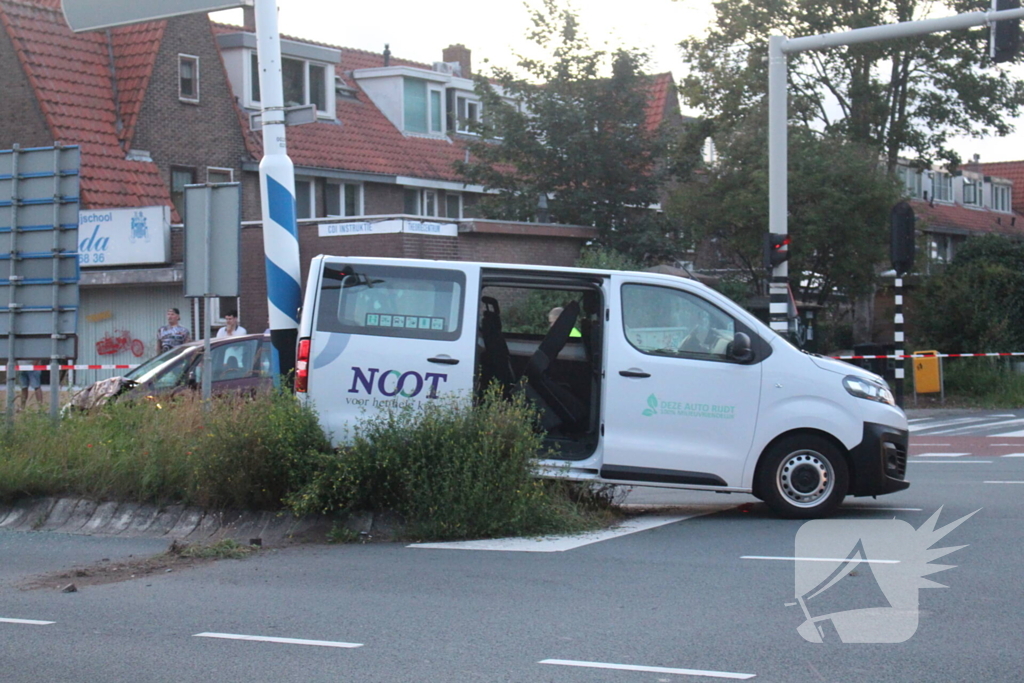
x: 778, y: 49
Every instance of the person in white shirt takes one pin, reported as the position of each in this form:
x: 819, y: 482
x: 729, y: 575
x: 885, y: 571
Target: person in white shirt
x: 232, y: 328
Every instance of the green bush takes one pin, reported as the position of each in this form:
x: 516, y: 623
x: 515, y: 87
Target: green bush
x: 450, y: 470
x: 245, y: 452
x: 983, y: 382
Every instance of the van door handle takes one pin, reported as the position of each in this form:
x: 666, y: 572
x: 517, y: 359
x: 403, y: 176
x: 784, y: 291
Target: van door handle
x: 634, y: 372
x: 443, y: 360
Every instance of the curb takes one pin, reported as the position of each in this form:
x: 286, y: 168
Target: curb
x: 80, y: 516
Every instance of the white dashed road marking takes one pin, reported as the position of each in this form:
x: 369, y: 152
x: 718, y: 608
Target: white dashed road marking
x: 29, y: 622
x: 1013, y: 455
x: 1004, y: 482
x: 286, y: 641
x: 940, y: 455
x: 866, y: 507
x: 649, y: 669
x: 950, y: 462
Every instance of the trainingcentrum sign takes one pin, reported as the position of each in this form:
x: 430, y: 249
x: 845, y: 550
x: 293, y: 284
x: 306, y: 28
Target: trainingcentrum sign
x: 90, y: 15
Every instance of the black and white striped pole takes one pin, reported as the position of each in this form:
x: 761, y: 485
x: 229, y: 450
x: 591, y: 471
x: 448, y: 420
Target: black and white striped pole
x: 901, y: 223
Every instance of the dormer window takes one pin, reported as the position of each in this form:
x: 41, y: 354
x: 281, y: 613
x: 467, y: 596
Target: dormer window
x: 303, y: 81
x: 972, y: 193
x: 1001, y: 198
x: 466, y: 111
x: 422, y: 107
x: 188, y: 78
x: 911, y: 181
x: 942, y: 187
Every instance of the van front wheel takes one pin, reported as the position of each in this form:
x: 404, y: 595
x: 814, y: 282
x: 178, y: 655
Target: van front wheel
x: 803, y: 477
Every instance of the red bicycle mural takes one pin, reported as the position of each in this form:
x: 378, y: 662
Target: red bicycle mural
x: 119, y: 341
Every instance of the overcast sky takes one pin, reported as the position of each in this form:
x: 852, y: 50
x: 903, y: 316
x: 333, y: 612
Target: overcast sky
x: 496, y: 29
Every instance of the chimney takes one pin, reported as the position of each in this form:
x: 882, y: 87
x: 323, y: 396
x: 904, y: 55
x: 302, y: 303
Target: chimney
x: 249, y: 19
x: 458, y: 53
x: 387, y: 54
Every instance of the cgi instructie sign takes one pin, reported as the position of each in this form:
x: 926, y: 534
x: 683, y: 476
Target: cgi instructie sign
x: 124, y: 237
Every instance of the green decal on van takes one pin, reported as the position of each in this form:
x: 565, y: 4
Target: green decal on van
x: 709, y: 411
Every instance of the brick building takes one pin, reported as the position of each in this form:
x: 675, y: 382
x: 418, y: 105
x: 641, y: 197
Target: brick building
x: 161, y: 105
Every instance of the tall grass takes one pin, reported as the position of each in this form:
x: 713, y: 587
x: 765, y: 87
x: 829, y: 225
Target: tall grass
x: 984, y: 382
x: 245, y: 452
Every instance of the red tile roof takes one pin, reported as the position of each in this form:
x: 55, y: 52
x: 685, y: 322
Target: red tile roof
x: 70, y: 74
x: 1013, y: 171
x: 960, y: 218
x: 366, y: 141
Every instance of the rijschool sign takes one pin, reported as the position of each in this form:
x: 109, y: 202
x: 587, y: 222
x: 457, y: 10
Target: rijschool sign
x: 124, y: 237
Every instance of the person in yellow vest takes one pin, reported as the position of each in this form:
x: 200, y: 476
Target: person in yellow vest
x: 553, y: 316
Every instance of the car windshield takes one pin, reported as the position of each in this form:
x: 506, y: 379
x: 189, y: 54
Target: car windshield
x: 147, y: 370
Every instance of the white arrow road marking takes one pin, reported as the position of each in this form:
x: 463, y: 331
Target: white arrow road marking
x: 30, y: 622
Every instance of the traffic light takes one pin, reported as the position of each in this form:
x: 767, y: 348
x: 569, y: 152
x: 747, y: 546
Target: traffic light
x: 901, y: 222
x: 775, y: 249
x: 1004, y: 35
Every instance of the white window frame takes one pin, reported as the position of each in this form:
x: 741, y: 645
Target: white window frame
x: 456, y: 195
x: 432, y: 89
x: 423, y: 203
x: 343, y: 189
x: 461, y: 124
x: 1005, y: 192
x: 195, y: 62
x: 945, y: 180
x: 977, y: 189
x: 220, y: 169
x: 327, y: 113
x: 911, y: 180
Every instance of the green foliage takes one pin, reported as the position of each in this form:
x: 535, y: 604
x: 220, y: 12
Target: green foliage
x: 977, y: 303
x: 607, y: 258
x: 839, y: 202
x: 245, y: 452
x: 983, y: 382
x: 568, y: 131
x: 894, y: 96
x: 451, y: 470
x: 227, y: 549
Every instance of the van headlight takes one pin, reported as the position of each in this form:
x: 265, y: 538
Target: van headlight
x: 865, y: 388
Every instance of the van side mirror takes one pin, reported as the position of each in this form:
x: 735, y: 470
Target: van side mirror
x: 739, y: 348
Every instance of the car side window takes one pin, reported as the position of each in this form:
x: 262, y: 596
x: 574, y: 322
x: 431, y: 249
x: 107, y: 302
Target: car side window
x: 172, y: 376
x: 264, y: 362
x: 234, y: 361
x: 663, y: 321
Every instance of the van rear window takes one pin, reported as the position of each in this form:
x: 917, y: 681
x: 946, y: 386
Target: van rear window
x: 392, y: 301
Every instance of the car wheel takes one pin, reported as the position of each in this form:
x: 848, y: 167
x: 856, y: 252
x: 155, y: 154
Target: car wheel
x: 803, y: 477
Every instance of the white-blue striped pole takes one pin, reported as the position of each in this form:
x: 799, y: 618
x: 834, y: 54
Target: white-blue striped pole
x: 277, y: 189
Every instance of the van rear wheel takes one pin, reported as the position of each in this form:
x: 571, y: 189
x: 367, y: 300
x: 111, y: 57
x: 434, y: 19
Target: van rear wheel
x: 803, y: 477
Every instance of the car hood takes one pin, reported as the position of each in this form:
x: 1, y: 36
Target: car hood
x: 842, y: 368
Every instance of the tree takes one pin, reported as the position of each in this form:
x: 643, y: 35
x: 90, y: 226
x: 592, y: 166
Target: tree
x: 839, y: 201
x: 565, y: 132
x: 977, y: 303
x: 899, y: 96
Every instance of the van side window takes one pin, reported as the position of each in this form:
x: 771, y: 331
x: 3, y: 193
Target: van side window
x: 392, y: 301
x: 668, y: 322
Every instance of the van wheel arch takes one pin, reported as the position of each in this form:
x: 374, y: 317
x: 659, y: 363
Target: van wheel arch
x: 796, y: 433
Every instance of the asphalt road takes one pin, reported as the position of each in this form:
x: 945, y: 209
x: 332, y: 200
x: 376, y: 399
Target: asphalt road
x: 677, y: 598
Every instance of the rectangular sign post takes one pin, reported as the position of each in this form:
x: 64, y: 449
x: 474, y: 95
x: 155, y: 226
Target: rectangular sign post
x: 213, y: 222
x: 38, y: 261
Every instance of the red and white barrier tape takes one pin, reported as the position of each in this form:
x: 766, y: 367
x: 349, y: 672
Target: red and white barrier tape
x: 934, y: 355
x: 26, y: 368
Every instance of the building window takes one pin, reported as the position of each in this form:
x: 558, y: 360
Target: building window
x: 453, y: 205
x: 343, y: 199
x: 467, y: 112
x: 972, y: 193
x: 429, y: 203
x: 302, y: 83
x: 180, y: 177
x: 422, y: 107
x: 303, y: 198
x: 942, y: 187
x: 1001, y: 198
x: 412, y: 202
x: 215, y: 174
x: 188, y: 78
x: 911, y: 180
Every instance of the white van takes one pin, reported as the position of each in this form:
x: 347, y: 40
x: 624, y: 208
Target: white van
x: 642, y: 379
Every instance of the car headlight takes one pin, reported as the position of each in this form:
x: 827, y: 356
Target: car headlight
x: 872, y: 391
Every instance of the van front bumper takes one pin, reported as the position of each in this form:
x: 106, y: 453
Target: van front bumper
x: 879, y: 461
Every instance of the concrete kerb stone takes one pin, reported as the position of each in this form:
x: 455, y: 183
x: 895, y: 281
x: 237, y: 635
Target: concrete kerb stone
x: 166, y: 518
x: 83, y: 512
x: 60, y: 513
x: 276, y: 531
x: 143, y: 517
x: 30, y: 513
x: 101, y: 518
x: 121, y: 520
x: 187, y: 523
x: 4, y: 511
x: 210, y: 524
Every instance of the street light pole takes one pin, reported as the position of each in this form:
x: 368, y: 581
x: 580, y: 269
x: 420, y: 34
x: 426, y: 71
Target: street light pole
x: 277, y: 190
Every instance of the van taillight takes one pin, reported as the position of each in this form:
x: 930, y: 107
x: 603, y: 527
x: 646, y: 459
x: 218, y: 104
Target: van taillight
x: 302, y: 366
